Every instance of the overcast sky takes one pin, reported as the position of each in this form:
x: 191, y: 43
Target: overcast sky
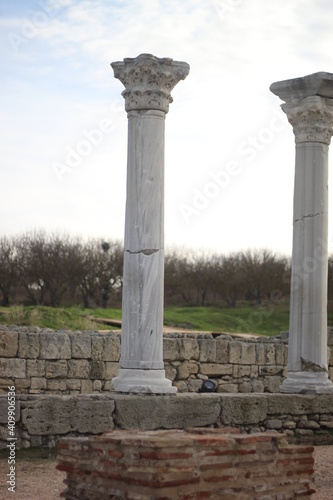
x: 229, y: 165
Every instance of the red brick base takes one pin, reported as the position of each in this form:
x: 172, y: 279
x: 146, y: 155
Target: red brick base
x: 192, y: 464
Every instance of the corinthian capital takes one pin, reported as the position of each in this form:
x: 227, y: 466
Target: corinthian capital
x: 308, y: 106
x: 311, y: 119
x: 149, y: 80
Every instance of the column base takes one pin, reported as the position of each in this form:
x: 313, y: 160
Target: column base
x: 306, y: 382
x: 143, y: 381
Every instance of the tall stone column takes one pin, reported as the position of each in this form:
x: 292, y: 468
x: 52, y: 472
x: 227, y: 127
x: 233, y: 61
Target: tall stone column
x: 148, y: 82
x: 309, y: 108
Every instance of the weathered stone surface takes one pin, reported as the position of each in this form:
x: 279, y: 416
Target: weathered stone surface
x: 86, y: 386
x: 56, y: 369
x: 170, y: 349
x: 170, y: 372
x: 188, y: 349
x: 81, y: 345
x: 166, y: 412
x: 12, y: 368
x: 73, y: 384
x: 28, y: 345
x: 55, y: 345
x: 8, y: 344
x: 78, y: 368
x: 242, y: 353
x: 105, y: 348
x: 38, y: 383
x: 260, y: 354
x: 97, y: 370
x: 4, y: 410
x: 273, y: 384
x: 111, y: 370
x: 36, y: 368
x: 64, y: 414
x: 257, y: 386
x: 186, y: 369
x: 215, y: 370
x: 242, y: 409
x: 296, y: 404
x: 274, y: 424
x: 241, y: 371
x: 222, y: 351
x: 269, y: 354
x: 207, y: 351
x: 227, y: 387
x: 56, y: 385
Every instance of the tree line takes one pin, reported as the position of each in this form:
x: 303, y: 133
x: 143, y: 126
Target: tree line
x: 54, y: 270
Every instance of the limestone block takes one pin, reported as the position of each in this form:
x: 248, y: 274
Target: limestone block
x: 245, y: 387
x: 111, y: 370
x: 227, y: 387
x: 170, y: 372
x: 274, y: 424
x: 62, y: 414
x: 86, y: 386
x: 22, y: 385
x: 36, y: 368
x: 170, y: 349
x: 241, y: 371
x: 279, y: 354
x: 97, y: 385
x: 28, y: 345
x: 242, y: 353
x: 38, y: 383
x: 105, y: 347
x: 4, y: 410
x: 222, y: 351
x: 330, y: 336
x: 181, y: 386
x: 8, y: 343
x: 260, y: 354
x: 273, y: 384
x: 194, y: 385
x: 270, y: 370
x: 269, y: 354
x: 97, y: 369
x: 81, y: 345
x: 289, y: 425
x: 186, y: 369
x: 330, y: 372
x: 73, y: 384
x: 215, y: 370
x: 330, y: 355
x: 257, y: 386
x: 188, y: 349
x: 254, y: 371
x: 300, y: 404
x: 166, y: 412
x: 12, y: 368
x: 207, y: 351
x: 78, y: 368
x: 55, y: 345
x: 5, y: 383
x: 56, y: 369
x: 56, y: 385
x: 243, y: 409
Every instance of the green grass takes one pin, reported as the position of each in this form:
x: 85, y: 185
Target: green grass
x: 266, y: 320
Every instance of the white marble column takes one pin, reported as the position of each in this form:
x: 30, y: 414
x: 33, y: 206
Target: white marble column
x: 309, y: 108
x: 148, y: 82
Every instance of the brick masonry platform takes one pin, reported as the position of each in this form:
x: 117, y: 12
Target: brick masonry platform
x: 192, y: 464
x: 42, y: 419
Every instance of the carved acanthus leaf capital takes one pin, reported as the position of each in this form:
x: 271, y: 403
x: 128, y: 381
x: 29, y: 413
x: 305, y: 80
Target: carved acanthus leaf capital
x: 311, y: 118
x: 149, y: 80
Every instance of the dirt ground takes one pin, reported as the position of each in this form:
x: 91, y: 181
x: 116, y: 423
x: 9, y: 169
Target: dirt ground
x: 38, y: 479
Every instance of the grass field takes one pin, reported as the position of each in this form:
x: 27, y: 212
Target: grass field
x: 268, y: 320
x: 264, y: 320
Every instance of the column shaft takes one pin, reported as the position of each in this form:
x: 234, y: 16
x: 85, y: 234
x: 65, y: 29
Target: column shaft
x: 308, y: 301
x: 142, y: 317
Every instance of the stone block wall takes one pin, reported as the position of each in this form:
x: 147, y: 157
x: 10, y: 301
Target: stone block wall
x: 40, y: 361
x: 185, y: 465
